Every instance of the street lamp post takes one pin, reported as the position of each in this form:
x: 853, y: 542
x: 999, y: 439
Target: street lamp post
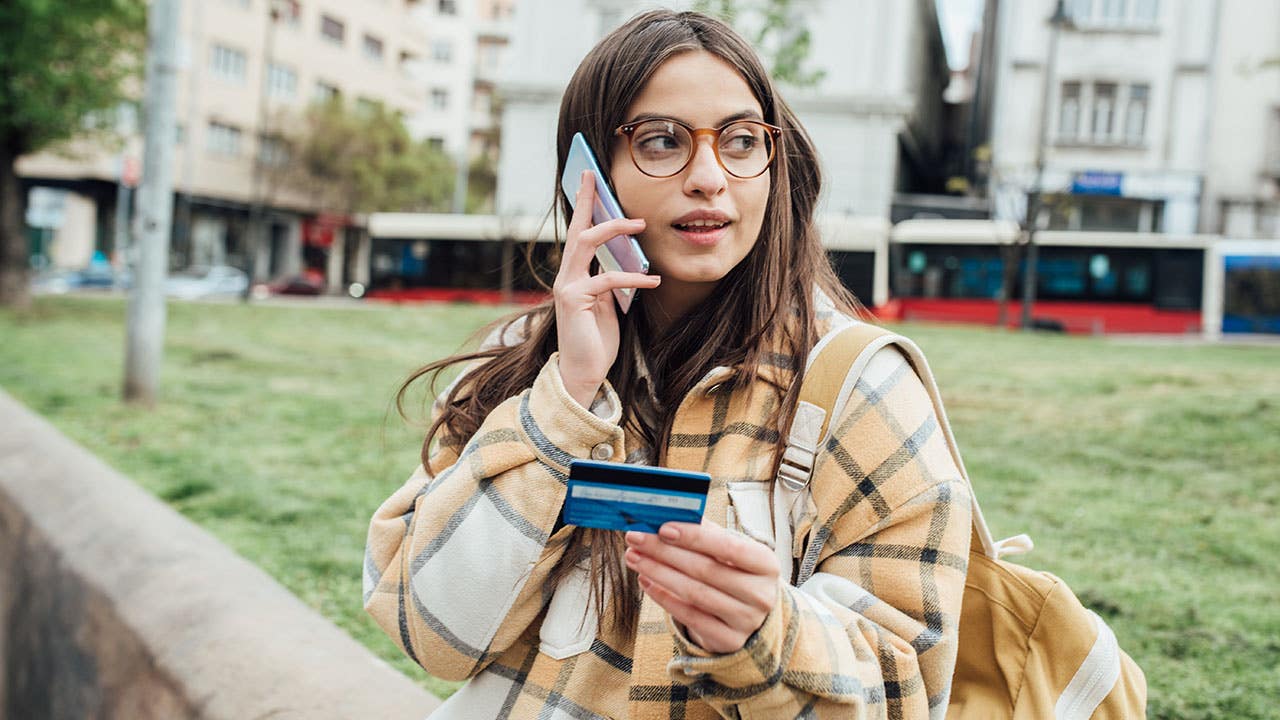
x: 1035, y: 205
x: 258, y: 235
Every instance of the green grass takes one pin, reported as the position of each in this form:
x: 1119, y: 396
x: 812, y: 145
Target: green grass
x: 1147, y: 473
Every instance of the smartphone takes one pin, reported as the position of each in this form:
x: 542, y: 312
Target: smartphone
x: 618, y: 496
x: 621, y: 252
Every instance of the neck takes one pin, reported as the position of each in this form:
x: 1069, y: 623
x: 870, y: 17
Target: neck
x: 672, y: 300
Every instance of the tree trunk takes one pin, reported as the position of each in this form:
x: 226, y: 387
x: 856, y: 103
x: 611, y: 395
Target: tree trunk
x: 15, y: 290
x: 1010, y: 255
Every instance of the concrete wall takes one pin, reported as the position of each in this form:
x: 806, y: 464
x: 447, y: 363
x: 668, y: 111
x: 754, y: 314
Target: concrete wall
x: 114, y: 606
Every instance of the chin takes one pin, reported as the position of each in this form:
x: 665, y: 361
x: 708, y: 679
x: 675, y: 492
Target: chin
x: 699, y: 273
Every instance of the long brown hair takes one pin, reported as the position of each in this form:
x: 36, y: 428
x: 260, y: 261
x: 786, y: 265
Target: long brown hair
x: 763, y: 305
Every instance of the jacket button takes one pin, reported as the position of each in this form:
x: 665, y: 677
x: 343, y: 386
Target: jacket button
x: 603, y: 451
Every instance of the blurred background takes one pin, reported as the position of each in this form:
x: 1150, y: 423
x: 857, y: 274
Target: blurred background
x: 397, y: 148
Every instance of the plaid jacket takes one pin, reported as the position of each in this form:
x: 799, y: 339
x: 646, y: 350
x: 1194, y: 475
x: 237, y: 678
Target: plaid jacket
x: 457, y: 562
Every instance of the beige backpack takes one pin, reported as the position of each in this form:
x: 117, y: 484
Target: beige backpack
x: 1028, y: 648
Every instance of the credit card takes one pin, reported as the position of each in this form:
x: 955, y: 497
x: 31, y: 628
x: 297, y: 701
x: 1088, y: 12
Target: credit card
x: 618, y: 496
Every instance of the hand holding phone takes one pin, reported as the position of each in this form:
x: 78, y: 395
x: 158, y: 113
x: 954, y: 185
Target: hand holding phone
x: 620, y: 253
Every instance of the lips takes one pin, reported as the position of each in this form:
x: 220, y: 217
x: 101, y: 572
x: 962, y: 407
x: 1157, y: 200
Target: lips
x: 702, y: 221
x: 701, y: 226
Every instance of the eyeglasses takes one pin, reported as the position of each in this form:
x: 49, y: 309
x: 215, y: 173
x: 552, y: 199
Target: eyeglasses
x: 663, y: 147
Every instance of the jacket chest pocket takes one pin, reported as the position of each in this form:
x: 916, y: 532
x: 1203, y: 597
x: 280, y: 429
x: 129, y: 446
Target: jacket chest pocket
x: 571, y: 622
x: 750, y: 510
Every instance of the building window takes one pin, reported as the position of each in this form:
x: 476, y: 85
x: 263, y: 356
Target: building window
x: 223, y: 139
x: 272, y: 151
x: 1135, y: 114
x: 1104, y: 106
x: 1137, y: 14
x: 372, y: 48
x: 1069, y: 112
x: 1103, y: 113
x: 447, y: 7
x: 1113, y: 12
x: 282, y: 81
x: 1080, y: 10
x: 325, y: 92
x: 435, y: 143
x: 332, y: 29
x: 228, y: 63
x: 441, y: 51
x: 287, y: 12
x: 1146, y: 12
x: 439, y: 99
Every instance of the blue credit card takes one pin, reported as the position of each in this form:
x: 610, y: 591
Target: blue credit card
x: 617, y: 496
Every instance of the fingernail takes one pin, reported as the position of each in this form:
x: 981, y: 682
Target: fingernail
x: 635, y: 538
x: 645, y: 582
x: 669, y: 532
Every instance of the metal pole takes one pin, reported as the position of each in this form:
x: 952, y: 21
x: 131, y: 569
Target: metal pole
x: 144, y: 341
x: 460, y: 181
x: 1035, y: 201
x: 257, y: 228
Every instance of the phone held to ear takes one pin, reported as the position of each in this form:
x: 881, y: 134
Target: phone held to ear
x: 619, y: 253
x: 618, y: 496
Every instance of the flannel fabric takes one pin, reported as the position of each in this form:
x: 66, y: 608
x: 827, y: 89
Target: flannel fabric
x: 458, y: 558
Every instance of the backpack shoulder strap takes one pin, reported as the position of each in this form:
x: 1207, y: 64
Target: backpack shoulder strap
x: 835, y: 364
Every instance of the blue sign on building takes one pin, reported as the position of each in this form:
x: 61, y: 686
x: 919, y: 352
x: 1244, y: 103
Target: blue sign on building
x: 1097, y: 183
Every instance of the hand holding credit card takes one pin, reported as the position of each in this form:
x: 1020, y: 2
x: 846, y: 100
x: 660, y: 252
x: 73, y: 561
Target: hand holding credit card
x: 618, y: 496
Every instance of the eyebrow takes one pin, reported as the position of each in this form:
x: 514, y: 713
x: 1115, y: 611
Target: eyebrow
x: 742, y: 115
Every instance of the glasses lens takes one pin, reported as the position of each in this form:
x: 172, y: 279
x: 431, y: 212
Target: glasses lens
x: 745, y: 148
x: 660, y: 147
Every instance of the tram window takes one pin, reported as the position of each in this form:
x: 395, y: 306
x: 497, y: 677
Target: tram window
x: 1103, y: 276
x: 1062, y: 277
x: 1179, y: 279
x: 1137, y: 281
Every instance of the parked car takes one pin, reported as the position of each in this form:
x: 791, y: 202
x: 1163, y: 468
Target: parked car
x: 294, y: 285
x: 93, y: 277
x: 203, y: 282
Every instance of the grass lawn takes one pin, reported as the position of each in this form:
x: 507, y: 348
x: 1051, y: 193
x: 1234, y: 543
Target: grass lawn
x: 1147, y: 473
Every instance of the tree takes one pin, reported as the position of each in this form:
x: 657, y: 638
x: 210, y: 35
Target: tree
x: 774, y: 28
x: 61, y: 62
x: 363, y: 160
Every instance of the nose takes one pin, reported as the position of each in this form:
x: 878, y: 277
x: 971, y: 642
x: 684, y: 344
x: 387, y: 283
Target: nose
x: 704, y: 175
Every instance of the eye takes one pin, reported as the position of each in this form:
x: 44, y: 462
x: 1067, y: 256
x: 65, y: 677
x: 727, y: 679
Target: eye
x: 741, y: 140
x: 659, y: 140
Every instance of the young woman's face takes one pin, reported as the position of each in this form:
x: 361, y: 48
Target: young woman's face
x: 702, y: 221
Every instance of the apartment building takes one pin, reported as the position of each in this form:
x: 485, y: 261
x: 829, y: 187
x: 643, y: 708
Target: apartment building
x: 492, y: 38
x: 1242, y: 188
x: 1126, y: 117
x: 876, y: 116
x: 248, y: 68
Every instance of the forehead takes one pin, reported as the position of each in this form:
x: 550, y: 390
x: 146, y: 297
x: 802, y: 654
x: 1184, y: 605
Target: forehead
x: 696, y: 87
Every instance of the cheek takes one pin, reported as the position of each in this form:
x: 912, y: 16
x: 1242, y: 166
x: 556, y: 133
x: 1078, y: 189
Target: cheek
x: 630, y: 191
x: 754, y: 202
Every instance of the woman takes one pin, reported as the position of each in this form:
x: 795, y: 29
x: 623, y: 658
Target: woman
x: 469, y: 568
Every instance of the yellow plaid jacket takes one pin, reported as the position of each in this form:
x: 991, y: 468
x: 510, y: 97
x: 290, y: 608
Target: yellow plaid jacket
x: 458, y: 558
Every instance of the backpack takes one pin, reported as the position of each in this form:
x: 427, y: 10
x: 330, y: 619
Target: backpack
x: 1028, y: 648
